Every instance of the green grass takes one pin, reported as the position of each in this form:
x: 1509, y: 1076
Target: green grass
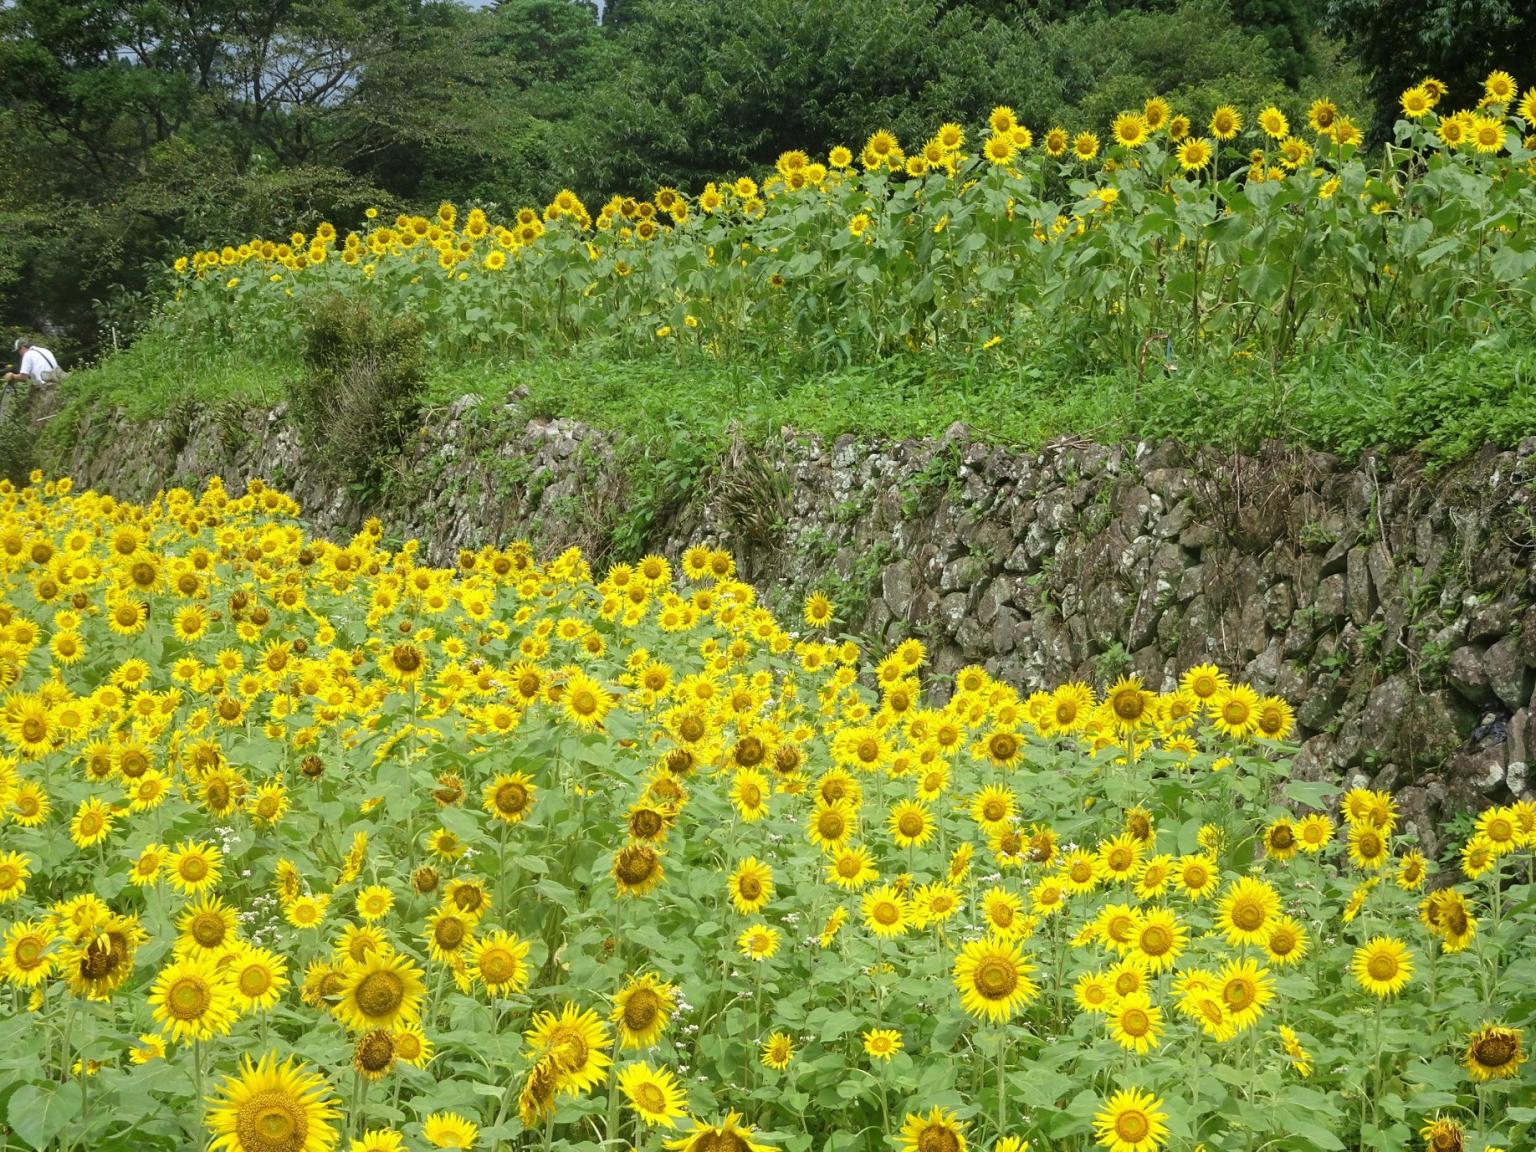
x: 1445, y: 404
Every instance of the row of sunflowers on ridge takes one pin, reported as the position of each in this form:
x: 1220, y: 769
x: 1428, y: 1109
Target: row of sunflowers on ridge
x: 309, y: 843
x: 1162, y: 224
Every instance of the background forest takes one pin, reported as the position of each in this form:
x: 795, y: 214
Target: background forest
x: 135, y: 129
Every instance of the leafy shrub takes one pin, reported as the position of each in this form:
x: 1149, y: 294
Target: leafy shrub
x: 361, y: 391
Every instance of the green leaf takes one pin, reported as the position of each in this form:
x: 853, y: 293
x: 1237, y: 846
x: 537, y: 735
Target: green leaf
x: 39, y: 1112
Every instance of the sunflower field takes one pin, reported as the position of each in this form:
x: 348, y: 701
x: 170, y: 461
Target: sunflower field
x: 1245, y: 233
x: 311, y: 845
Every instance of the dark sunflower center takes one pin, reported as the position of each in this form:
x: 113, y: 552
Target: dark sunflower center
x: 641, y: 1009
x: 1247, y: 915
x: 449, y: 933
x: 996, y: 978
x: 938, y: 1138
x: 1382, y: 966
x: 272, y: 1121
x: 1135, y: 1022
x: 651, y: 1098
x: 380, y: 993
x: 1494, y: 1051
x: 208, y: 929
x: 376, y: 1051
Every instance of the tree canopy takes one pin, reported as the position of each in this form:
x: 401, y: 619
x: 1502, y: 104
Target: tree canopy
x: 139, y: 128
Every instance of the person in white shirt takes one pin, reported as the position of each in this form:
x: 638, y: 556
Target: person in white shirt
x: 37, y: 363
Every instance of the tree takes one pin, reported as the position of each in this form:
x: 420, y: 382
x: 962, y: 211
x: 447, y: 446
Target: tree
x: 1457, y: 41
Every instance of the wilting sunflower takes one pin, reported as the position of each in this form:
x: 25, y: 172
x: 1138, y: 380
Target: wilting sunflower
x: 374, y: 1054
x: 1382, y: 965
x: 576, y: 1041
x: 636, y: 869
x: 1494, y: 1052
x: 272, y: 1107
x: 751, y: 886
x: 939, y: 1131
x: 642, y: 1009
x: 1131, y: 1121
x: 654, y: 1093
x: 379, y: 992
x: 993, y: 976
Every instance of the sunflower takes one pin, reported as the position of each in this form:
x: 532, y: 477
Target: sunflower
x: 192, y: 1000
x: 1120, y: 857
x: 831, y: 824
x: 818, y: 611
x: 92, y: 823
x: 1368, y: 848
x: 1494, y: 1052
x: 778, y: 1050
x: 1244, y: 987
x: 727, y: 1136
x: 1130, y: 130
x: 911, y: 824
x: 25, y: 958
x: 636, y: 869
x: 1313, y: 833
x: 1287, y: 941
x: 882, y: 1043
x: 404, y: 663
x: 993, y: 977
x: 449, y: 1130
x: 654, y: 1094
x: 1247, y: 910
x: 1197, y: 875
x: 1280, y: 840
x: 1128, y: 701
x: 642, y: 1009
x: 1133, y: 1022
x: 576, y: 1041
x: 1382, y: 965
x: 939, y: 1131
x: 509, y: 797
x: 887, y: 911
x: 1080, y: 871
x: 1131, y: 1121
x: 193, y: 867
x: 1085, y: 146
x: 750, y: 885
x: 852, y: 867
x: 257, y: 977
x: 1499, y: 88
x: 1158, y: 937
x: 749, y: 794
x: 758, y: 942
x: 271, y: 1107
x: 1226, y: 123
x: 379, y: 992
x: 374, y: 1054
x: 1194, y: 153
x: 499, y: 961
x: 14, y: 870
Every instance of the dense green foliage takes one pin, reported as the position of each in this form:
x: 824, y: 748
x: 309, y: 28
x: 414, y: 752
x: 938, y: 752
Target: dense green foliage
x: 1444, y: 403
x: 137, y: 129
